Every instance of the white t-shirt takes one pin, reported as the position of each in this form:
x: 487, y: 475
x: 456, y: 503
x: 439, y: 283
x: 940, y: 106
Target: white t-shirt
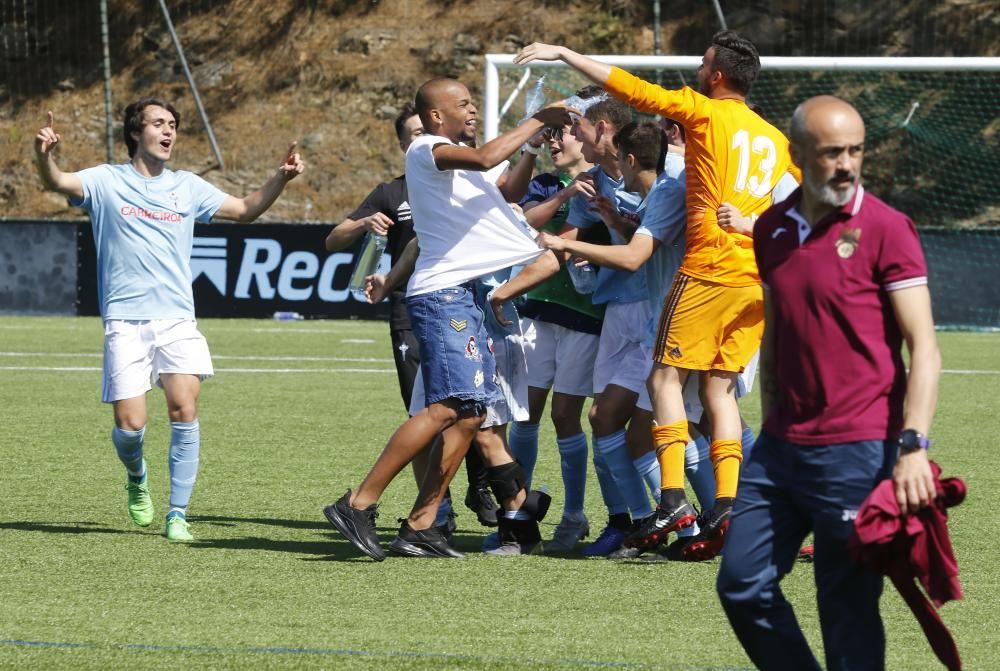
x: 464, y: 226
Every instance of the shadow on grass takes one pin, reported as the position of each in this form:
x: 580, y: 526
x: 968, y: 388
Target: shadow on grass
x: 64, y: 528
x: 333, y: 549
x: 223, y: 521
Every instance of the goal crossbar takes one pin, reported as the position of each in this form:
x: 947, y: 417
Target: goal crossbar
x: 494, y: 62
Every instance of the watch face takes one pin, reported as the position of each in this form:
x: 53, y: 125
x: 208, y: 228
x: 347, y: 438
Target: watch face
x: 910, y: 441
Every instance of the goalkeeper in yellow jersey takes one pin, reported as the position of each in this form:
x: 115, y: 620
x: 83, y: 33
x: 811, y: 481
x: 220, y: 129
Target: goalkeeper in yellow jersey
x: 713, y: 317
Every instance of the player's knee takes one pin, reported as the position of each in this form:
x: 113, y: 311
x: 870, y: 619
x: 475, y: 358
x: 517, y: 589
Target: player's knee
x: 183, y: 412
x: 566, y: 420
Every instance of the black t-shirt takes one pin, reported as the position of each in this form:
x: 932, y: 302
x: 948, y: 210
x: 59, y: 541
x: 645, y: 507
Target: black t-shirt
x: 389, y: 198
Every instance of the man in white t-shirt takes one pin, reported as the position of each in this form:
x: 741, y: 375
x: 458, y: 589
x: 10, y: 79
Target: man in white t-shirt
x: 143, y: 218
x: 466, y: 230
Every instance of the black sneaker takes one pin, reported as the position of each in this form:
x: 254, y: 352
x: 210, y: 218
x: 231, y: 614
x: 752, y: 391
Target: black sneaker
x: 423, y: 543
x: 655, y: 528
x: 357, y: 526
x: 479, y: 500
x: 714, y: 524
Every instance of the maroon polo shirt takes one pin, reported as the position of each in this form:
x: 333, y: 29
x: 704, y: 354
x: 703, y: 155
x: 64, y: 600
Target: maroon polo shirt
x: 838, y: 350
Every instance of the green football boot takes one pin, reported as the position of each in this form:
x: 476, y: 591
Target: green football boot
x: 177, y: 529
x: 140, y: 505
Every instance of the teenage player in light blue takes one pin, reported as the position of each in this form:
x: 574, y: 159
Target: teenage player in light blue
x: 143, y: 218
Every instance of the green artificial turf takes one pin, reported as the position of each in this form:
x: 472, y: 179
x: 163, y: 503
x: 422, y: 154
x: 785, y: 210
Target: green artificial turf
x: 295, y: 415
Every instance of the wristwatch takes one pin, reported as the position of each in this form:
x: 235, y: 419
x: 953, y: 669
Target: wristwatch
x: 910, y: 441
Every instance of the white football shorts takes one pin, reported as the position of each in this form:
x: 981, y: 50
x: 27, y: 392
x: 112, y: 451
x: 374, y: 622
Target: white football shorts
x: 559, y: 358
x: 137, y: 352
x: 623, y: 356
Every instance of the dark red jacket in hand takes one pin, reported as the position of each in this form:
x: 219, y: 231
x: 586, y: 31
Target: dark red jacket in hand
x: 914, y: 549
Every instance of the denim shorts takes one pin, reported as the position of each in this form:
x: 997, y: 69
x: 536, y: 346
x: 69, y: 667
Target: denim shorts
x: 456, y: 361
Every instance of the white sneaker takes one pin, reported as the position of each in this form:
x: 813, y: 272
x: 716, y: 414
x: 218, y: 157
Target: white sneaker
x: 568, y: 533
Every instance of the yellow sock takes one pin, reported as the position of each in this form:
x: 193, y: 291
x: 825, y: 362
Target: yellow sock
x: 669, y: 441
x: 726, y: 457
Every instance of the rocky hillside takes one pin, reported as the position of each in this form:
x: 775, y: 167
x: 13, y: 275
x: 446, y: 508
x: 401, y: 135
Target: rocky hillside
x: 333, y: 73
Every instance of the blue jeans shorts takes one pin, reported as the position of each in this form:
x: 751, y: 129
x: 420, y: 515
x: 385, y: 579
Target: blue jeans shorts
x: 456, y: 361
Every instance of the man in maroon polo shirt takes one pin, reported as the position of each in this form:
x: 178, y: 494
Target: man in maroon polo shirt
x: 845, y: 287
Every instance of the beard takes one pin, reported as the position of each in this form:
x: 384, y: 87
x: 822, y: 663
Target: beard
x: 825, y: 192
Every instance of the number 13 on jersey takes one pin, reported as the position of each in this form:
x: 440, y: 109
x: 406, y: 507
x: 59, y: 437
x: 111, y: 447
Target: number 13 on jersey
x: 761, y: 181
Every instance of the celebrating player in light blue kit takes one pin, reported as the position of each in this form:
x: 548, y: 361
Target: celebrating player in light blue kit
x: 143, y: 220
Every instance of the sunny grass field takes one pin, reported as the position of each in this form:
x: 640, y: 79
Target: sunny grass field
x: 295, y: 415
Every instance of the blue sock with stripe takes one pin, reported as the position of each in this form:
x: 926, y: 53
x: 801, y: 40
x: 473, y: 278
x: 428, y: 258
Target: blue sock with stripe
x: 630, y: 485
x: 128, y: 444
x: 523, y: 442
x: 648, y: 468
x: 699, y: 471
x: 185, y: 446
x: 573, y: 461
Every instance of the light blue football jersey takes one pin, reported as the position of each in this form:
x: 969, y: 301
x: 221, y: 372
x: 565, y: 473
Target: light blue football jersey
x: 613, y: 286
x: 143, y: 231
x: 663, y: 216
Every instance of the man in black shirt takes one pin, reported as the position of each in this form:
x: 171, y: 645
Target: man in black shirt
x: 385, y: 211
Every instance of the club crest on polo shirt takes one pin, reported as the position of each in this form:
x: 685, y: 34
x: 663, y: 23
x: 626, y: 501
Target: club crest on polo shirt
x: 848, y: 241
x: 459, y: 325
x: 472, y: 351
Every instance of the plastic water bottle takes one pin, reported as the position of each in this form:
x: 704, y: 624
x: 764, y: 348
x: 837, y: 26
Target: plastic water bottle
x: 584, y: 277
x: 535, y: 99
x: 287, y: 316
x: 367, y: 264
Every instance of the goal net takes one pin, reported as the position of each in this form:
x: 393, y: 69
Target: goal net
x: 932, y: 145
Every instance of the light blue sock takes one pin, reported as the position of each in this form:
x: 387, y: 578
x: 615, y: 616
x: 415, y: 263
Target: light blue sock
x: 523, y: 442
x: 649, y: 469
x: 573, y: 460
x: 128, y: 444
x: 699, y: 471
x: 185, y: 444
x: 516, y: 515
x: 613, y: 499
x: 442, y: 514
x: 623, y: 471
x: 748, y: 440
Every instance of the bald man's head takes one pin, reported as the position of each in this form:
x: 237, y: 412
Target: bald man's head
x: 823, y: 111
x: 827, y: 141
x: 445, y: 108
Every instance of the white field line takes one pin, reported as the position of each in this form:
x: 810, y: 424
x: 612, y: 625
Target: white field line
x: 219, y: 357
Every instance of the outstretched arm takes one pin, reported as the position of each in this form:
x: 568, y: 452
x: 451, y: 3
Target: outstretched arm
x: 596, y: 71
x: 458, y: 157
x: 628, y: 257
x: 249, y: 208
x: 54, y: 179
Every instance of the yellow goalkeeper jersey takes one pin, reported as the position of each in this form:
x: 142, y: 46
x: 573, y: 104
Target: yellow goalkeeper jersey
x: 731, y: 155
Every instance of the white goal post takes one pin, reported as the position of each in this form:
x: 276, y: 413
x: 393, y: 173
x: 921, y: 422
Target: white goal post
x: 494, y: 110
